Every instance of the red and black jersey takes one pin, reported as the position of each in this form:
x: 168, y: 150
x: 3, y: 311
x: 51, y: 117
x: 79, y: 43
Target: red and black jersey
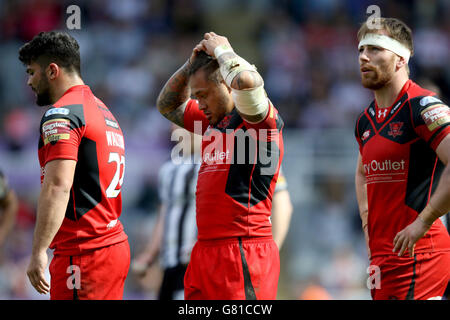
x: 402, y: 170
x: 238, y: 173
x: 80, y: 127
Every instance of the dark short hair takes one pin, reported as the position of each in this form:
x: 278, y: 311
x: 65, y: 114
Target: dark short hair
x: 209, y: 64
x: 52, y: 47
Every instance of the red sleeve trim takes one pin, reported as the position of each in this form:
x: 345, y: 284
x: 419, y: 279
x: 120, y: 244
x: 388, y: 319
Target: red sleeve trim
x: 437, y: 140
x: 192, y: 114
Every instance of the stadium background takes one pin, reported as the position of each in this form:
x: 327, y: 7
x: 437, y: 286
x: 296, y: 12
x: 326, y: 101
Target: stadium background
x: 306, y: 52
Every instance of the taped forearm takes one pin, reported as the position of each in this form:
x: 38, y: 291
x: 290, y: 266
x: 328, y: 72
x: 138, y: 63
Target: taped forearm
x: 248, y: 91
x: 251, y: 102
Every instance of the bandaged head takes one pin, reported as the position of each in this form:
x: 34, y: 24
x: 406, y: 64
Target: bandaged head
x: 386, y: 42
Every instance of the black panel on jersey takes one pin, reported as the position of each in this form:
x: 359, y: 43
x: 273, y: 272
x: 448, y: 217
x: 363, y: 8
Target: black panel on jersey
x: 238, y: 181
x: 421, y: 164
x: 372, y: 112
x: 230, y: 122
x: 279, y: 122
x: 398, y: 128
x: 261, y: 182
x: 362, y: 126
x: 86, y: 190
x: 75, y: 115
x: 417, y: 108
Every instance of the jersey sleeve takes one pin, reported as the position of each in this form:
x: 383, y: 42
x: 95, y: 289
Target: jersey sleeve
x: 272, y: 123
x: 431, y: 118
x: 61, y: 131
x: 194, y: 119
x: 357, y: 133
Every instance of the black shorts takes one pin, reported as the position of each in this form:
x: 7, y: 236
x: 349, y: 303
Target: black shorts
x: 172, y: 286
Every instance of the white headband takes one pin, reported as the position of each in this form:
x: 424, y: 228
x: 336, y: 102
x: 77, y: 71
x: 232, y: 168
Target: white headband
x: 385, y: 42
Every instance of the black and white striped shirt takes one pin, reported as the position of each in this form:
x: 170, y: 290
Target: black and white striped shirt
x: 177, y: 186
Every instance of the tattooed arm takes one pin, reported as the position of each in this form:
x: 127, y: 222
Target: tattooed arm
x: 174, y: 94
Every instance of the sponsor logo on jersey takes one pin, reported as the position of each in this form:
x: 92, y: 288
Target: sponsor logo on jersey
x: 382, y: 113
x: 375, y: 166
x: 427, y: 100
x: 112, y: 123
x: 216, y: 157
x: 396, y: 107
x: 365, y: 135
x: 63, y: 111
x: 111, y: 224
x: 435, y: 116
x: 225, y: 122
x: 55, y: 129
x: 109, y: 118
x: 395, y: 129
x: 372, y: 112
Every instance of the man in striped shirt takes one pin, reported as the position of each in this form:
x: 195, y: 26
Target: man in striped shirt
x: 175, y: 231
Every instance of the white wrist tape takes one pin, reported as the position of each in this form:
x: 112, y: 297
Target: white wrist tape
x: 250, y: 102
x: 220, y: 50
x: 231, y: 67
x: 385, y: 42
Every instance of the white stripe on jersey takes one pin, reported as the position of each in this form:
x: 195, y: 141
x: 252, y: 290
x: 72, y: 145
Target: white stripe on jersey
x: 177, y: 186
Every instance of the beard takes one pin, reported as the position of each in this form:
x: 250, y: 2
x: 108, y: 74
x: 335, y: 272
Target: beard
x: 379, y: 77
x: 43, y: 99
x: 43, y: 93
x: 378, y: 81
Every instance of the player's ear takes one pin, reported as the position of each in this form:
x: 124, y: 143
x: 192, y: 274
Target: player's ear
x: 401, y: 62
x: 53, y: 71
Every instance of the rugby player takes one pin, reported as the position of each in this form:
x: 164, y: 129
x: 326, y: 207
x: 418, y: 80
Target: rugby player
x: 402, y: 176
x: 82, y: 157
x: 221, y: 96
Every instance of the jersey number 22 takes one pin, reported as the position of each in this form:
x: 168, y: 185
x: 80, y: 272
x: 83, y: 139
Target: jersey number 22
x: 113, y: 189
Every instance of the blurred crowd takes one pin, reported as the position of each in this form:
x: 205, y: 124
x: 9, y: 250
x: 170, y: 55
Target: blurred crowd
x: 307, y: 53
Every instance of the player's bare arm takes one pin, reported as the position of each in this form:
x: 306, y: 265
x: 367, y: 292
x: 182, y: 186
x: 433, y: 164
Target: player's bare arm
x: 247, y: 84
x: 174, y: 94
x: 361, y: 197
x: 142, y: 262
x: 52, y: 204
x: 438, y: 206
x: 281, y: 216
x: 172, y: 99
